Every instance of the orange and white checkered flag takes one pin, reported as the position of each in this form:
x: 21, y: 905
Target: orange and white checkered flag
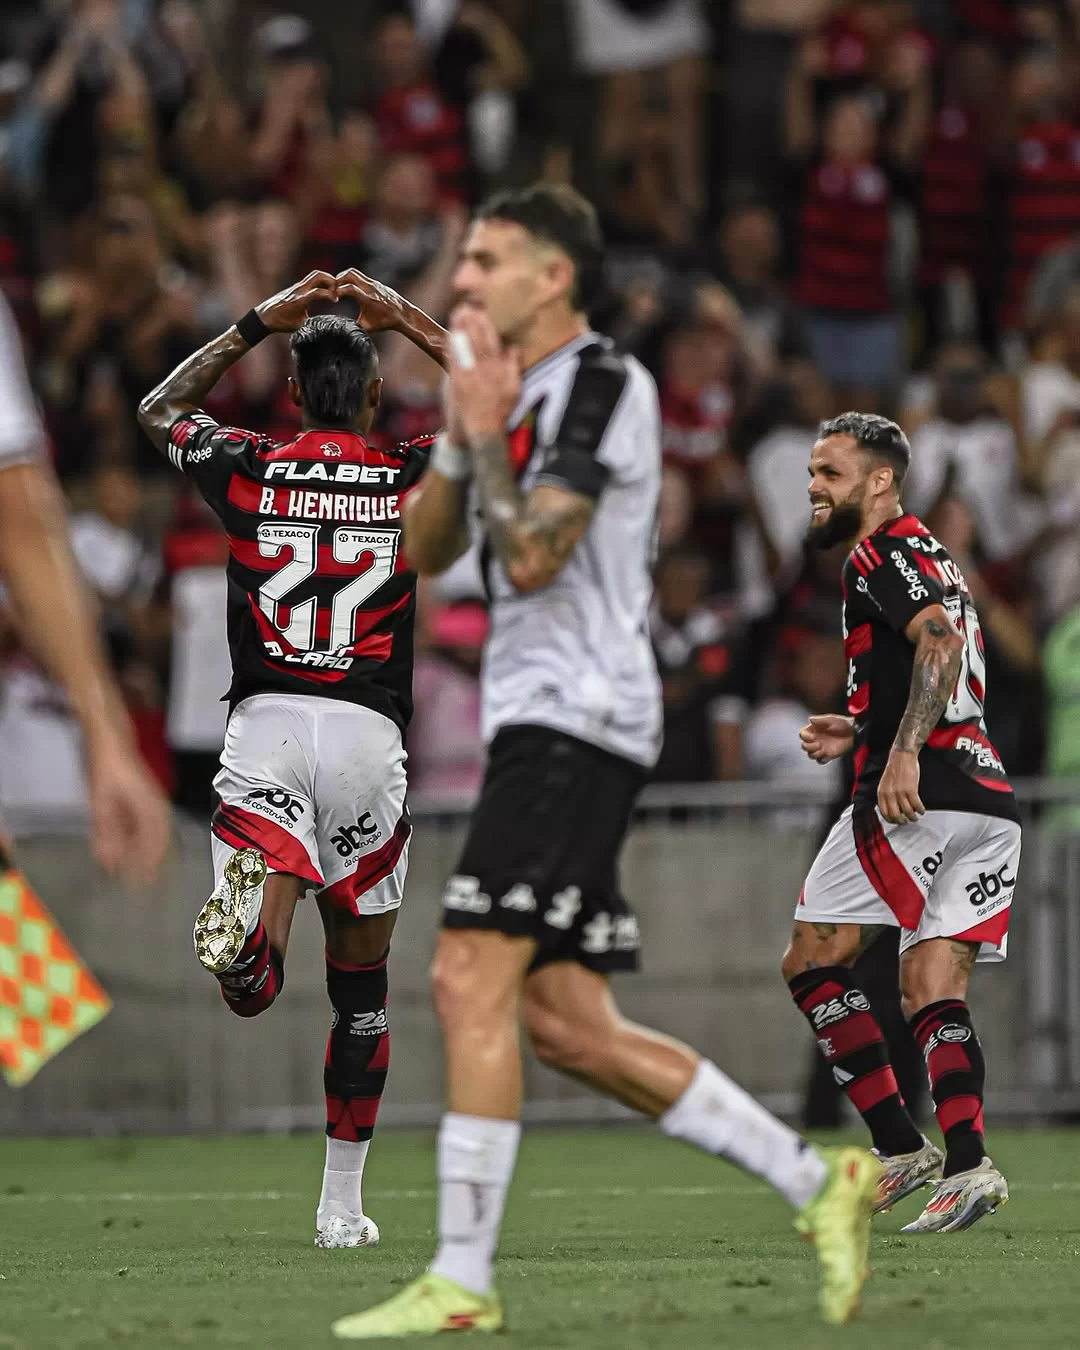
x: 47, y: 995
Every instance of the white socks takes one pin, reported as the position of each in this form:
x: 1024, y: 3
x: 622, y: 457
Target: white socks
x: 718, y: 1116
x: 342, y: 1178
x: 476, y: 1161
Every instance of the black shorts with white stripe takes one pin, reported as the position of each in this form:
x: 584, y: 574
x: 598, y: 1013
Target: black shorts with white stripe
x: 541, y: 857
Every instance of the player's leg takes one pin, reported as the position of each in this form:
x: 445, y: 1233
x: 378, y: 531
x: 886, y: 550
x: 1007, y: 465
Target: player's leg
x: 264, y: 850
x: 251, y: 983
x: 476, y: 983
x: 362, y: 832
x: 574, y: 1025
x: 838, y: 915
x: 975, y: 879
x: 356, y: 1064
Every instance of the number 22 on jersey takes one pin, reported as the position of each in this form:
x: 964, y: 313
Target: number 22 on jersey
x: 374, y: 551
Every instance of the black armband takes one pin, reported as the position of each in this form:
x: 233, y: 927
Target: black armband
x: 252, y: 329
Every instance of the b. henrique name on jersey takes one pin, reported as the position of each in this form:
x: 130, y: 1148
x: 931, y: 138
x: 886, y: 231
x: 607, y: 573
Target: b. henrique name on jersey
x: 320, y: 597
x: 888, y: 578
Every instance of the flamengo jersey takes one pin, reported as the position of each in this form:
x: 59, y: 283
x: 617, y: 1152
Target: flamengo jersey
x: 888, y: 578
x: 576, y: 656
x: 320, y: 599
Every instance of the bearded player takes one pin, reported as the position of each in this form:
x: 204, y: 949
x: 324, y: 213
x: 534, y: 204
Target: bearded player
x: 931, y: 841
x: 555, y: 436
x: 320, y: 616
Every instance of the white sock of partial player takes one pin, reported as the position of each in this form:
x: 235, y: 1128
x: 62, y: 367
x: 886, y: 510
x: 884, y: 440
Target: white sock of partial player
x: 476, y: 1162
x: 343, y: 1176
x: 718, y: 1116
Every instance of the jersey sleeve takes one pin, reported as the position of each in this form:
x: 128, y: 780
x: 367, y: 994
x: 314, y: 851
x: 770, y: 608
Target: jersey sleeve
x: 22, y: 436
x: 209, y: 453
x: 896, y: 579
x: 587, y: 447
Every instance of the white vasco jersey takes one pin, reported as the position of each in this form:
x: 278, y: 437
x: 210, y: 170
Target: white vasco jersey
x: 575, y: 656
x: 22, y: 440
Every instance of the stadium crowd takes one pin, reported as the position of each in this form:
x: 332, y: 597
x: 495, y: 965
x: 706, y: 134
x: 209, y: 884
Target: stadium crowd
x: 809, y: 206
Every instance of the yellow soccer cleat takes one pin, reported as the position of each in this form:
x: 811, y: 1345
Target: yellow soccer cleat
x: 837, y: 1220
x: 427, y: 1306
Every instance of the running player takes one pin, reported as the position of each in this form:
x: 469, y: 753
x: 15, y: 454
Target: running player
x: 565, y: 463
x: 931, y: 841
x: 320, y: 618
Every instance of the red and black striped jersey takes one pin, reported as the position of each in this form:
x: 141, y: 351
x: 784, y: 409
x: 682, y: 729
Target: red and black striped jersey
x: 844, y: 239
x: 889, y: 577
x: 321, y: 600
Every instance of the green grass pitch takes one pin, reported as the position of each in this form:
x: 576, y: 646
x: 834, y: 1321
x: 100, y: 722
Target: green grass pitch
x: 613, y: 1239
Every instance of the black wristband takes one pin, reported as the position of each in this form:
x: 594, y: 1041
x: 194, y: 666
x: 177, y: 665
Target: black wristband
x: 252, y: 329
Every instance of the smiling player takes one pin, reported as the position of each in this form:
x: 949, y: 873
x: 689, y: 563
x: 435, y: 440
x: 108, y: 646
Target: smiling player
x: 931, y: 841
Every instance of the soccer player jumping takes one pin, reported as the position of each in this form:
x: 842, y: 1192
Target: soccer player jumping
x: 556, y: 437
x: 931, y: 841
x: 320, y: 617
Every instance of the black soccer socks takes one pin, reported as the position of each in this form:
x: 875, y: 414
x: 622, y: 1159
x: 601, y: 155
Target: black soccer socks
x: 847, y: 1031
x: 957, y: 1070
x: 255, y: 978
x: 358, y: 1048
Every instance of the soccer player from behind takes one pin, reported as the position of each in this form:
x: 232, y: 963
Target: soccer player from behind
x: 320, y: 617
x: 931, y: 840
x: 560, y: 436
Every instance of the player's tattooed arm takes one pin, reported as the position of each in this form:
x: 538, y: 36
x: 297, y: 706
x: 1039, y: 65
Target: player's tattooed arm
x: 939, y: 652
x: 188, y: 385
x: 532, y: 535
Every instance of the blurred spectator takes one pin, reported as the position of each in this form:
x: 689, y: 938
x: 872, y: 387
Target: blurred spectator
x: 1044, y: 186
x: 635, y: 44
x: 968, y: 450
x: 413, y: 115
x: 1061, y: 664
x: 749, y: 252
x: 965, y: 140
x: 446, y: 750
x: 808, y: 676
x: 698, y: 654
x: 844, y: 232
x: 403, y: 235
x: 338, y: 195
x: 193, y: 603
x: 113, y: 558
x: 293, y: 117
x: 777, y: 467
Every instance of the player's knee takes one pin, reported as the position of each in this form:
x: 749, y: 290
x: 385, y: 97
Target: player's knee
x: 459, y: 990
x: 815, y: 945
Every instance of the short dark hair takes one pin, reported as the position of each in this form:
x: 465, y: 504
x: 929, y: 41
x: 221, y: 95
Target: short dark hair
x: 335, y: 364
x: 559, y: 215
x: 874, y: 434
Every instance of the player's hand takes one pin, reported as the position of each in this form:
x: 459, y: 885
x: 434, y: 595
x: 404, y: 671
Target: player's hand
x: 381, y: 309
x: 286, y: 311
x: 827, y: 737
x: 485, y: 378
x: 129, y: 816
x: 898, y: 790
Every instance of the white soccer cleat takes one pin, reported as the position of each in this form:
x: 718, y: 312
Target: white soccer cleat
x: 221, y: 928
x: 336, y: 1228
x: 961, y: 1200
x: 905, y: 1173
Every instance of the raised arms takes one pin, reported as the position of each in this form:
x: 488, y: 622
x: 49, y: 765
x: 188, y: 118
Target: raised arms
x: 188, y: 385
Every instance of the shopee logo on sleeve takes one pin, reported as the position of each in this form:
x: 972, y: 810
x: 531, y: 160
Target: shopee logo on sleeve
x: 916, y: 587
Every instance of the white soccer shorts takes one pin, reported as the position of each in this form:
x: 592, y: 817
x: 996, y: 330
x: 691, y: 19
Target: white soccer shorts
x: 318, y: 786
x: 950, y: 874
